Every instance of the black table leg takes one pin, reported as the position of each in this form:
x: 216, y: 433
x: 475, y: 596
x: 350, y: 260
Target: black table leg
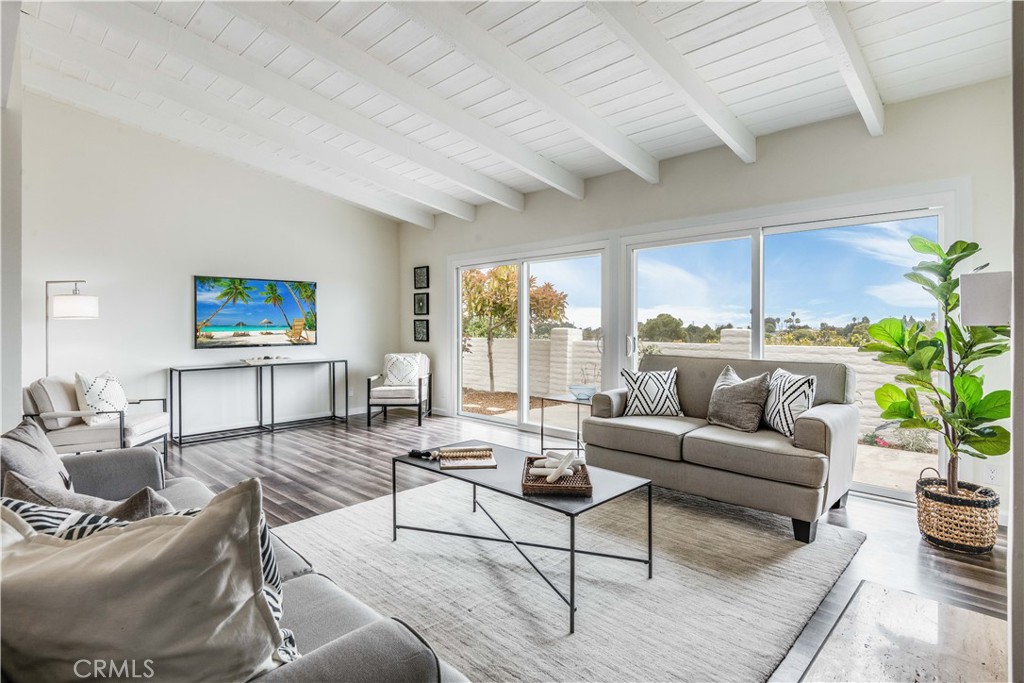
x: 650, y: 536
x: 394, y: 503
x: 572, y: 575
x: 474, y: 497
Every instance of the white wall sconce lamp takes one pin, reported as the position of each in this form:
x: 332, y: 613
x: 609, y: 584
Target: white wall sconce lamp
x: 73, y: 306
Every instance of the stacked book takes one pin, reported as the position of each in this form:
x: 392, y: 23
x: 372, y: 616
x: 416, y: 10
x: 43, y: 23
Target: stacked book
x: 466, y: 457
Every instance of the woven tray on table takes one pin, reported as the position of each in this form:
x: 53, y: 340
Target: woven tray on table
x: 576, y: 485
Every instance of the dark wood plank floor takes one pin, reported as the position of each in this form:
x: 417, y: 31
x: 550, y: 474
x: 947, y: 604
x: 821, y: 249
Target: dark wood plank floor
x: 312, y: 470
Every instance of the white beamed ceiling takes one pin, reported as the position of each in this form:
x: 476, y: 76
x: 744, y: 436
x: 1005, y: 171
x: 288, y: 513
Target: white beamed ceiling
x: 767, y: 62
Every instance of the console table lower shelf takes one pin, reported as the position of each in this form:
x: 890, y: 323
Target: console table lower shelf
x: 506, y: 480
x: 180, y: 439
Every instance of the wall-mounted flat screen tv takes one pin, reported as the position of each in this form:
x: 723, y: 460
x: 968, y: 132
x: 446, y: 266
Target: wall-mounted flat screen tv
x: 245, y: 312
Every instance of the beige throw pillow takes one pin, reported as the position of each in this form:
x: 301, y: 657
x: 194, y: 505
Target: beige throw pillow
x: 102, y: 393
x: 180, y: 596
x: 145, y: 503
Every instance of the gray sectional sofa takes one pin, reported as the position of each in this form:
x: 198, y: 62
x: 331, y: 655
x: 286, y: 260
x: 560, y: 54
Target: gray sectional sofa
x: 800, y: 477
x: 340, y: 638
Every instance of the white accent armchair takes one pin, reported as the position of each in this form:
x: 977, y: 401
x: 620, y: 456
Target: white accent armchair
x: 53, y: 404
x: 406, y: 382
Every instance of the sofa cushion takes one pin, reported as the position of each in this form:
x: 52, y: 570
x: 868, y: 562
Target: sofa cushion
x: 185, y: 493
x: 55, y: 395
x: 145, y: 503
x: 651, y: 393
x: 138, y: 427
x: 765, y: 454
x: 317, y: 611
x: 658, y: 436
x: 738, y: 403
x: 836, y: 383
x: 404, y: 393
x: 289, y: 563
x: 26, y: 450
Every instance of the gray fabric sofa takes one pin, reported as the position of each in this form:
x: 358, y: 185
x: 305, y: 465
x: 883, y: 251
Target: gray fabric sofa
x: 340, y: 638
x: 800, y: 477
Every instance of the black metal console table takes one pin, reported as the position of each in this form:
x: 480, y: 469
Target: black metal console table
x: 179, y: 438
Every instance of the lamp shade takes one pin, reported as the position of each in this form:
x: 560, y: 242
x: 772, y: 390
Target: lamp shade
x: 985, y: 298
x: 75, y: 306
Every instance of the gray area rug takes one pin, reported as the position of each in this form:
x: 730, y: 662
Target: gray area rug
x: 731, y: 589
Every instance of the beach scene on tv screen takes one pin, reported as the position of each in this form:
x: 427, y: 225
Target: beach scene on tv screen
x: 247, y: 312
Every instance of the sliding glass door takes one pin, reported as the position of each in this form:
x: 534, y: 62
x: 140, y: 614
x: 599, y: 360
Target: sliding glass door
x: 823, y: 288
x: 692, y: 298
x: 489, y: 355
x: 516, y: 349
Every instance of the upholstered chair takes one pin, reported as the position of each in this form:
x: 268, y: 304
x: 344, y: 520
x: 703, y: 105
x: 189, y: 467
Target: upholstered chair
x: 405, y: 381
x: 53, y: 404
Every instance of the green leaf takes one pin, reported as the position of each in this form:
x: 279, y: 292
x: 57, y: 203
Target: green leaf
x: 994, y: 406
x: 900, y: 410
x: 923, y: 359
x: 980, y: 268
x: 968, y: 390
x: 956, y: 336
x: 894, y: 358
x: 888, y: 331
x: 989, y: 441
x: 926, y: 246
x: 926, y: 282
x: 981, y: 334
x: 922, y: 423
x: 940, y: 269
x: 960, y: 247
x: 878, y: 347
x: 887, y: 394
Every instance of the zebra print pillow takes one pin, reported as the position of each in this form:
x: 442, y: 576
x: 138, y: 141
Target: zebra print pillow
x: 70, y: 525
x: 789, y: 397
x: 651, y: 393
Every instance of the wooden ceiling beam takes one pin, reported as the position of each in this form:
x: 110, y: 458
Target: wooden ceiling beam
x: 629, y: 26
x: 291, y: 26
x: 842, y: 42
x: 74, y: 49
x: 165, y: 35
x: 454, y: 27
x: 133, y: 113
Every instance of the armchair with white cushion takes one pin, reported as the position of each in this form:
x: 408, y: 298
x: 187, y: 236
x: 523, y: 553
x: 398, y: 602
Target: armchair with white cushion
x: 406, y: 381
x: 54, y: 404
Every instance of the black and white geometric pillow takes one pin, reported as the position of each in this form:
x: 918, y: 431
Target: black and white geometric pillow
x: 401, y: 369
x: 71, y: 525
x: 651, y: 393
x: 789, y: 396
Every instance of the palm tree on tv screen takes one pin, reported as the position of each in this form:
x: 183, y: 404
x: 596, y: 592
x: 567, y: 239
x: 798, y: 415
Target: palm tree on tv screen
x: 232, y: 291
x: 307, y: 292
x: 272, y: 296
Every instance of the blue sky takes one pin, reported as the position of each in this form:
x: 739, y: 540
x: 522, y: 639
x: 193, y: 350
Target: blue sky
x: 251, y: 313
x: 828, y: 275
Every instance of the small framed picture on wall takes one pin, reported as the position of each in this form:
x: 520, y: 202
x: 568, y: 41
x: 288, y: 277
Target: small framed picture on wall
x: 421, y: 304
x: 421, y: 277
x: 421, y: 330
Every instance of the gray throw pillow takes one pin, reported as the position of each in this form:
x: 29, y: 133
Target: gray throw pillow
x: 738, y: 403
x: 26, y: 450
x: 146, y: 503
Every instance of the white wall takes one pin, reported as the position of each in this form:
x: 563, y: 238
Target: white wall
x: 10, y: 218
x: 957, y: 134
x: 137, y: 216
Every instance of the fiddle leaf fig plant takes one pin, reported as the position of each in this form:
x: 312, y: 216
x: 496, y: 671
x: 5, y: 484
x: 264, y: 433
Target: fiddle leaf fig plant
x: 942, y: 388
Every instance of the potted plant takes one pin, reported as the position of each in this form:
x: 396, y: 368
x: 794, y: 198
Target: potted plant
x: 944, y: 393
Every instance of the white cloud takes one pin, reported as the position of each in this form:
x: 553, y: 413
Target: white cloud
x: 904, y: 294
x: 886, y: 242
x: 583, y: 316
x: 670, y: 283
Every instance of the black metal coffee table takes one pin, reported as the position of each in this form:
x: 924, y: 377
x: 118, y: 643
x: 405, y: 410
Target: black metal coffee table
x: 507, y: 479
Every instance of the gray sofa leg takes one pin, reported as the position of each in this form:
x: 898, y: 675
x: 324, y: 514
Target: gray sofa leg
x: 841, y: 503
x: 805, y: 531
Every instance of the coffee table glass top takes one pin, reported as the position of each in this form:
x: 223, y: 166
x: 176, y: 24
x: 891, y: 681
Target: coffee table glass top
x: 507, y: 478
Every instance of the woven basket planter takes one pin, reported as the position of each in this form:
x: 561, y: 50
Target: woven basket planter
x: 965, y: 523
